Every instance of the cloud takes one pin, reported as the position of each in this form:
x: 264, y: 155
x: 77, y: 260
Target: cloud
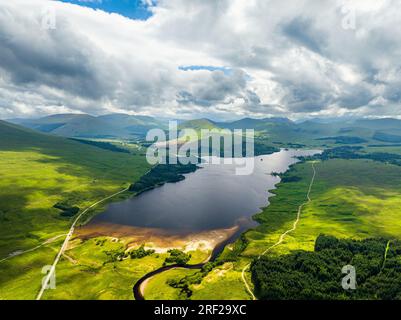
x: 223, y: 59
x: 303, y: 33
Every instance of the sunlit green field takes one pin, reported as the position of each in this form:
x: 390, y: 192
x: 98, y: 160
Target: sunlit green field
x: 86, y: 273
x: 37, y: 171
x: 21, y: 276
x: 158, y: 289
x: 219, y: 284
x: 350, y: 199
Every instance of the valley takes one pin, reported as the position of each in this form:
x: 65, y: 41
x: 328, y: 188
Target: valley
x: 37, y: 171
x: 240, y: 157
x: 348, y: 200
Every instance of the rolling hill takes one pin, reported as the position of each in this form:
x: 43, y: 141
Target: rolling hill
x: 379, y: 124
x: 87, y: 126
x: 279, y: 131
x: 256, y: 124
x: 132, y: 124
x: 73, y: 125
x: 283, y: 132
x: 38, y: 170
x: 198, y: 124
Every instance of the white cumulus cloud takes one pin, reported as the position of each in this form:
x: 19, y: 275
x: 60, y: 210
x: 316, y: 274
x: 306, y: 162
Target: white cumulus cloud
x: 257, y: 58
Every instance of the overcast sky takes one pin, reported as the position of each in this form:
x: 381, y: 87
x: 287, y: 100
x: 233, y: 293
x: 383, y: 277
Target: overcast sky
x: 222, y: 59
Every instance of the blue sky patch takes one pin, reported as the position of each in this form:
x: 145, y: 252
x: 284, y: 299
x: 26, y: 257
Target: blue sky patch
x: 133, y: 9
x: 226, y: 70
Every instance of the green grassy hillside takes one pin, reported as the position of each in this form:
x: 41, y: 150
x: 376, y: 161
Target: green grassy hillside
x: 73, y: 125
x: 132, y: 124
x: 37, y: 171
x: 313, y: 133
x: 40, y: 170
x: 198, y: 124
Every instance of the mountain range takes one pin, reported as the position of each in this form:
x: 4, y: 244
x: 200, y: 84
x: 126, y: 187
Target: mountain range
x: 280, y: 130
x: 87, y: 126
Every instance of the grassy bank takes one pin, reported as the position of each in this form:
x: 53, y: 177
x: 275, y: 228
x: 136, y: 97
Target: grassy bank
x: 355, y: 199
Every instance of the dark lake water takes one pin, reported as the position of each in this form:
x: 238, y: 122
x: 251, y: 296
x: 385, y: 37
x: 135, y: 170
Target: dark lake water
x: 213, y: 197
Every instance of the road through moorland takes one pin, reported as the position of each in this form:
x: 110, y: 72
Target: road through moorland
x: 67, y: 239
x: 45, y: 282
x: 282, y: 236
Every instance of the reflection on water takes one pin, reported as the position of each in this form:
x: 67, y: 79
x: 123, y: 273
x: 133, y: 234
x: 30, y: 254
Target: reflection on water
x: 210, y: 198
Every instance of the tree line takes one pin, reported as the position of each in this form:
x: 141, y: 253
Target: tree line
x: 318, y: 274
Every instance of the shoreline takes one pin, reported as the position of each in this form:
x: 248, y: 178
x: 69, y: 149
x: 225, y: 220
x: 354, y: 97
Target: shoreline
x: 140, y: 285
x: 157, y: 239
x: 160, y: 239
